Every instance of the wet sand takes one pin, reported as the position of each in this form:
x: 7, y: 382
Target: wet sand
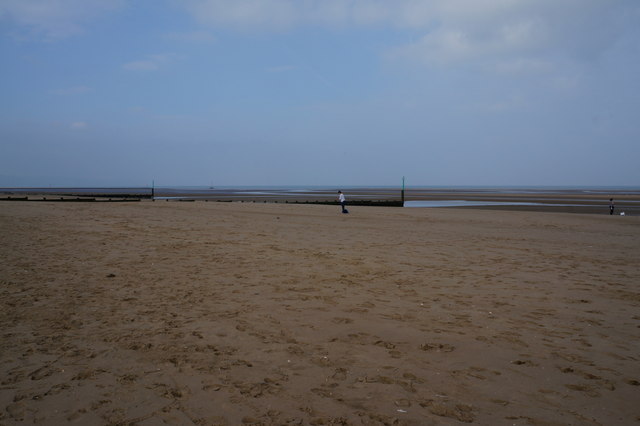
x: 558, y: 200
x: 248, y: 313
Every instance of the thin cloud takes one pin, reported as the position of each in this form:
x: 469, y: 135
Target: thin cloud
x: 522, y: 66
x: 150, y: 62
x: 521, y: 34
x: 278, y: 14
x: 192, y: 37
x: 453, y: 31
x: 79, y: 125
x: 502, y: 105
x: 52, y: 20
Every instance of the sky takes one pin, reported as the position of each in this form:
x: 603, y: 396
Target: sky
x: 319, y: 92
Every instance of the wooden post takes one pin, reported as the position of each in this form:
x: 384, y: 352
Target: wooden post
x: 402, y: 193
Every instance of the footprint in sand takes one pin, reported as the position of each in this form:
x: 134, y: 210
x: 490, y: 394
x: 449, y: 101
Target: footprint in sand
x: 437, y: 347
x: 587, y: 389
x: 460, y: 412
x: 384, y: 344
x: 340, y: 374
x: 17, y: 410
x: 256, y: 390
x: 526, y: 362
x: 600, y: 381
x: 42, y: 372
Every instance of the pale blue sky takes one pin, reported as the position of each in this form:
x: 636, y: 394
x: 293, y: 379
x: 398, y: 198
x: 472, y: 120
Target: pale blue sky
x: 319, y: 92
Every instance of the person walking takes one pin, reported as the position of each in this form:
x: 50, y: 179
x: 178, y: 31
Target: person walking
x: 611, y: 206
x: 343, y: 202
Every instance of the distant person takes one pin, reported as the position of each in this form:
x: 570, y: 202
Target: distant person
x: 611, y: 206
x: 343, y: 203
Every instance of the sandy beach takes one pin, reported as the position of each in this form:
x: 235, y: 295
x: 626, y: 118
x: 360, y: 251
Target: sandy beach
x: 150, y: 313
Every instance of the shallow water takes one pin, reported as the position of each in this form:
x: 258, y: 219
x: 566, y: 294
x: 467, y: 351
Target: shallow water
x: 465, y: 203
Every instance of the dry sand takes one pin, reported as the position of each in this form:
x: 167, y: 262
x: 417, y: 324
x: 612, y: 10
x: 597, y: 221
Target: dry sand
x: 227, y: 313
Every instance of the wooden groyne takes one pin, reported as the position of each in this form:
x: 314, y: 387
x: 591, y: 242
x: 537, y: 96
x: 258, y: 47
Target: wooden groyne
x: 370, y: 203
x: 364, y: 203
x: 70, y: 199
